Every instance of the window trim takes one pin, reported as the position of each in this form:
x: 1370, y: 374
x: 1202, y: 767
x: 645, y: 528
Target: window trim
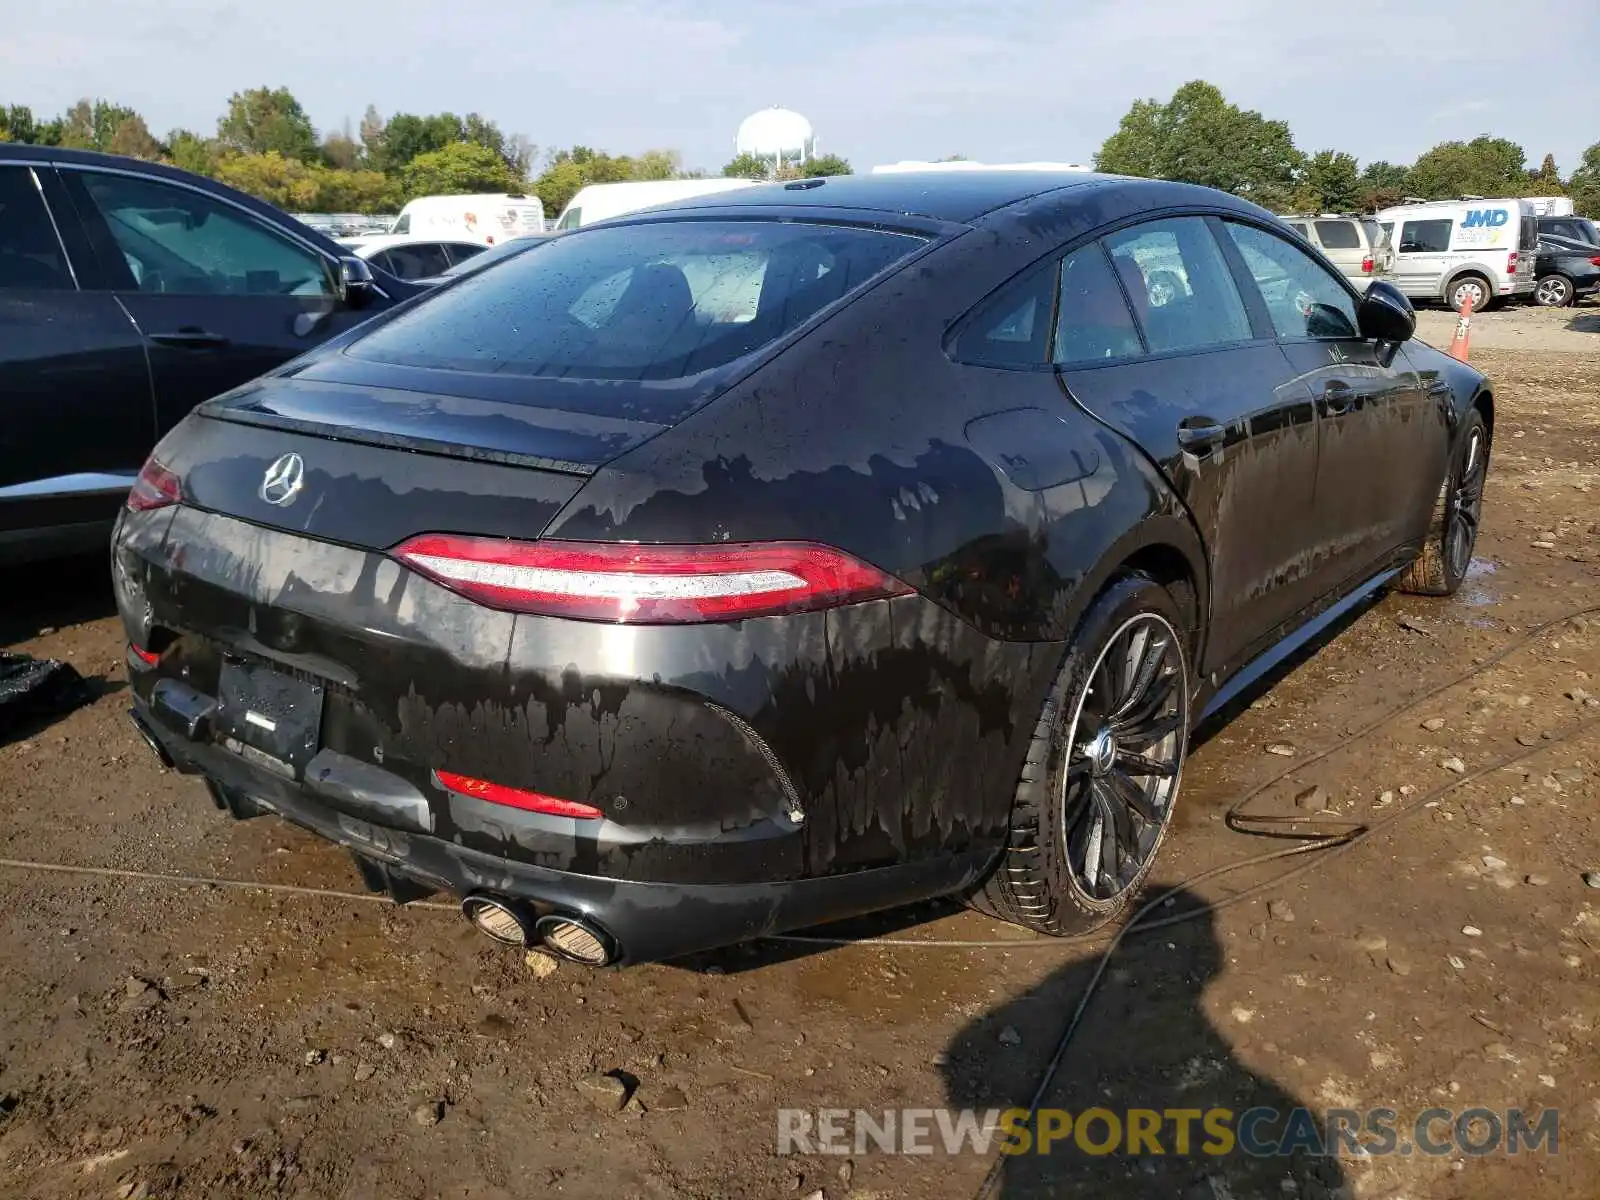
x: 283, y: 231
x: 1247, y: 281
x: 1080, y: 364
x: 61, y: 242
x: 1259, y: 333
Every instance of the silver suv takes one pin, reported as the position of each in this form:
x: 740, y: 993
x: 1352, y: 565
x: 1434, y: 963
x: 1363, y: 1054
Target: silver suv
x: 1356, y: 245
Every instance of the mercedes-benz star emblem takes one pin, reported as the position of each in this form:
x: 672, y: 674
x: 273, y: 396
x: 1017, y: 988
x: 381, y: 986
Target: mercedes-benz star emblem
x: 283, y: 480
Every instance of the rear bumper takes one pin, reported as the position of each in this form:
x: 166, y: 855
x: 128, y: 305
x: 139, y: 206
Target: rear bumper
x: 645, y: 921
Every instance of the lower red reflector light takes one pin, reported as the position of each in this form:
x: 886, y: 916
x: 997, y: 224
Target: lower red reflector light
x: 499, y: 793
x: 148, y: 657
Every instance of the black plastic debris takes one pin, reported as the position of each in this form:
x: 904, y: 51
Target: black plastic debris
x: 37, y: 687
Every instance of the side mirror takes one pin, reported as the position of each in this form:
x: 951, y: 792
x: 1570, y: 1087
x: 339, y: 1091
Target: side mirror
x: 355, y: 282
x: 1385, y: 315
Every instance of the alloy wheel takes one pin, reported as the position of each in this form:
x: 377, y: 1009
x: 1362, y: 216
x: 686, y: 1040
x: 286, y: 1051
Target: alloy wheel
x: 1551, y: 292
x: 1466, y: 504
x: 1125, y: 749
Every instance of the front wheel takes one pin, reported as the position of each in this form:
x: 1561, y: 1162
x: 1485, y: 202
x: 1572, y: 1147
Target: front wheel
x: 1097, y: 791
x: 1453, y: 533
x: 1553, y: 291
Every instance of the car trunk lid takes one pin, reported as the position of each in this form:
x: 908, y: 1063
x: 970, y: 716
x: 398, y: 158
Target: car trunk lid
x: 378, y: 464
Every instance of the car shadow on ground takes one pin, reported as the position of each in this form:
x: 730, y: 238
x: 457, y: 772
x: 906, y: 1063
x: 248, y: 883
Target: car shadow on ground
x: 796, y: 944
x: 1145, y: 1043
x: 1588, y: 322
x: 53, y: 595
x: 39, y: 601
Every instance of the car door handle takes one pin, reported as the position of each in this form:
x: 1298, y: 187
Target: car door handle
x: 190, y: 338
x: 1201, y: 437
x: 1337, y: 398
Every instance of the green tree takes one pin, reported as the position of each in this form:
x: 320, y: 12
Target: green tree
x: 1334, y: 180
x: 1485, y: 166
x: 657, y: 164
x: 748, y: 166
x: 268, y: 120
x: 826, y: 164
x: 1199, y: 137
x: 1383, y: 184
x: 288, y: 183
x: 569, y: 170
x: 341, y: 151
x: 407, y: 135
x: 17, y: 124
x: 1546, y: 181
x: 132, y: 138
x: 1584, y: 186
x: 90, y: 125
x: 354, y: 191
x: 191, y: 152
x: 457, y: 168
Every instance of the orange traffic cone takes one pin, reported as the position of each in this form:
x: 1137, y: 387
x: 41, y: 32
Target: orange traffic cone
x: 1459, y: 343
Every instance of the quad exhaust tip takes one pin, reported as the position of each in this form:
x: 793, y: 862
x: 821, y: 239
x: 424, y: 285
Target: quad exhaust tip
x: 496, y: 919
x: 570, y: 937
x: 575, y: 940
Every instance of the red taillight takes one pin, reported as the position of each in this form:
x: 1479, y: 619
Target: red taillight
x: 156, y: 487
x: 647, y: 584
x: 1366, y: 265
x: 1511, y: 263
x: 148, y: 657
x: 1595, y: 261
x: 498, y: 793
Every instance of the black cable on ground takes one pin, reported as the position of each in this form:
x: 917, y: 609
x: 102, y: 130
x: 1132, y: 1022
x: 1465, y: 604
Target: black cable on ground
x: 1326, y: 846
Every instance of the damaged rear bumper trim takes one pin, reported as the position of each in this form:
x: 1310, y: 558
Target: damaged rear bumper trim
x: 649, y: 921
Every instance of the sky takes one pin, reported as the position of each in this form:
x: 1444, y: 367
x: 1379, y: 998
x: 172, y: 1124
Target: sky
x: 880, y: 80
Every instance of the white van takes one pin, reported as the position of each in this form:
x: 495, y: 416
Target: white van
x: 599, y: 201
x: 1447, y: 250
x: 485, y: 219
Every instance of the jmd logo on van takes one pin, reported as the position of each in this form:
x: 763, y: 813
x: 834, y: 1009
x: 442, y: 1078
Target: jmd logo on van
x: 1486, y: 218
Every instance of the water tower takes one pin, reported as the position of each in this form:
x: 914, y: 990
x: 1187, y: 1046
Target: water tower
x: 777, y: 136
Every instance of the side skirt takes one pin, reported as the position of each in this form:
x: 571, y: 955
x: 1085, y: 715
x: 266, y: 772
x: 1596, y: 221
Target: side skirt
x: 1261, y: 670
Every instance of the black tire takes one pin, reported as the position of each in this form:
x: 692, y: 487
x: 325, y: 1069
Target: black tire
x: 1483, y: 296
x: 1453, y: 532
x: 1554, y: 291
x: 1045, y: 881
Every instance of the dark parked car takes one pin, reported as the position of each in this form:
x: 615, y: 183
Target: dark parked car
x: 471, y: 266
x: 793, y: 552
x: 1565, y: 272
x: 130, y: 292
x: 1576, y: 229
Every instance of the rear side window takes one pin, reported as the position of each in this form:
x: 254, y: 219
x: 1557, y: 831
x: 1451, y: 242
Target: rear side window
x: 1338, y: 235
x: 1093, y: 323
x: 1301, y: 229
x: 1426, y: 237
x: 30, y: 252
x: 660, y: 300
x: 1375, y: 233
x: 403, y: 225
x: 1012, y: 327
x: 1179, y: 284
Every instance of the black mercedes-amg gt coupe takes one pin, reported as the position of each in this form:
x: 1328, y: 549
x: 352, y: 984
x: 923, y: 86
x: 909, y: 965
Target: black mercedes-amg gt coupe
x: 791, y: 553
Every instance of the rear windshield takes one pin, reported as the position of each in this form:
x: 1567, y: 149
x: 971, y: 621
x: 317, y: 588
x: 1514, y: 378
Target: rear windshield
x: 1338, y: 235
x: 660, y: 300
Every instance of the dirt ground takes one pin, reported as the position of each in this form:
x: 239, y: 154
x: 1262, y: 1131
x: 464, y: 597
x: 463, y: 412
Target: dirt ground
x: 169, y: 1041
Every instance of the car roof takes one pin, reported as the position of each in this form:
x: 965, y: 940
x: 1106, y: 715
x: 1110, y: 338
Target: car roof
x: 955, y: 196
x: 937, y: 195
x: 17, y: 152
